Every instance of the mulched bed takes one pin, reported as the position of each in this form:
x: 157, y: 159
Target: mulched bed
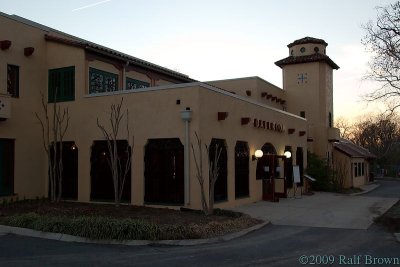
x: 222, y: 222
x: 391, y: 219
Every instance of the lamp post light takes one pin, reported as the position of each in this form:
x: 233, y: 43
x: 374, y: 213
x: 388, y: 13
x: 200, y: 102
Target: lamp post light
x: 186, y: 116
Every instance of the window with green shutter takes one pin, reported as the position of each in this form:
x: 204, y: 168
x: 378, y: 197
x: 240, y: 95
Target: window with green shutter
x: 132, y: 84
x: 62, y: 84
x: 102, y: 81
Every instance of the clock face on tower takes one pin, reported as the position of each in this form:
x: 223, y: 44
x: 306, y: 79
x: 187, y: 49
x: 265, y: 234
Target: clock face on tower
x: 301, y: 78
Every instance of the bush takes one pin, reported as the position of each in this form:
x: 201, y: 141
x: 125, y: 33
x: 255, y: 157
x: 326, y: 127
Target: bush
x: 89, y: 227
x: 318, y: 169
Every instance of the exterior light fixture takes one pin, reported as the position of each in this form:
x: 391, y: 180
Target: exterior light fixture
x: 287, y: 154
x: 258, y: 154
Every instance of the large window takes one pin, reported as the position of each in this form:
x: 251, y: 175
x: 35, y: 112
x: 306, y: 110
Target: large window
x: 164, y: 171
x: 69, y: 187
x: 13, y: 80
x: 242, y: 158
x: 102, y: 81
x: 61, y: 84
x: 221, y: 185
x: 102, y: 186
x: 132, y: 84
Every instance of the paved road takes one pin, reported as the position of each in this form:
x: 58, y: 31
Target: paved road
x: 388, y: 189
x: 270, y: 246
x: 273, y: 245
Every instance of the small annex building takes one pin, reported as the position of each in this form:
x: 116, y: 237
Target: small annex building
x: 167, y: 109
x: 352, y: 163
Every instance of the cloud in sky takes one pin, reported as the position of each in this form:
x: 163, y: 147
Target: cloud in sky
x: 91, y: 5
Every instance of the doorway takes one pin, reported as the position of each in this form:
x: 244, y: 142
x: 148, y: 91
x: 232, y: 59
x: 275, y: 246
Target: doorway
x: 6, y: 167
x: 268, y: 170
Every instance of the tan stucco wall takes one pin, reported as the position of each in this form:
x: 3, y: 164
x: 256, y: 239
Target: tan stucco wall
x: 314, y: 97
x: 256, y: 86
x: 345, y: 162
x: 309, y: 49
x: 28, y: 179
x: 154, y: 113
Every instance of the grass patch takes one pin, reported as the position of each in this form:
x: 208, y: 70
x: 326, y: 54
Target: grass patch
x: 391, y: 219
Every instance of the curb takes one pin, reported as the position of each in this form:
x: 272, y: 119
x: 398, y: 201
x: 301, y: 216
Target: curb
x: 367, y: 190
x: 4, y: 229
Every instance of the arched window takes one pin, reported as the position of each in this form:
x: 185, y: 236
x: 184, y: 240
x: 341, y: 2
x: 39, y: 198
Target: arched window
x: 242, y: 157
x: 164, y: 171
x: 221, y: 185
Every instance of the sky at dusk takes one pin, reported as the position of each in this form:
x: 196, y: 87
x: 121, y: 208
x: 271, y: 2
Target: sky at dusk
x: 221, y: 39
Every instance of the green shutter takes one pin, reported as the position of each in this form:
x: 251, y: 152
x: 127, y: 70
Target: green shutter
x: 64, y: 81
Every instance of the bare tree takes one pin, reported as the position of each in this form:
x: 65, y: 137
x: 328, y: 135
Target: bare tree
x: 382, y: 39
x: 379, y: 135
x: 119, y: 171
x: 341, y: 173
x: 345, y: 128
x: 213, y: 173
x: 53, y: 133
x: 199, y: 173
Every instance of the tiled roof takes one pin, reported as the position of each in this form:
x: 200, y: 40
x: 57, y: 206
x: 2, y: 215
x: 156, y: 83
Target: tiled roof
x: 305, y: 59
x: 308, y: 40
x: 352, y: 150
x: 111, y: 52
x: 79, y: 42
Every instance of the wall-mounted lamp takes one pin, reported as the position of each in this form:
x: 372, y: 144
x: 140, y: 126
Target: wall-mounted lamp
x: 258, y: 154
x: 287, y: 154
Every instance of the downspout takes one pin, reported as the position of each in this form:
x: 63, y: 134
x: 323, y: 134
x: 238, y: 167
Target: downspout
x: 186, y: 116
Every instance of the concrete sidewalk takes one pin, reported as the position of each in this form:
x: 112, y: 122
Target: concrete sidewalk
x: 321, y: 210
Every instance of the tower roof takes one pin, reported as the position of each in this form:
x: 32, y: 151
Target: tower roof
x: 305, y: 59
x: 308, y: 40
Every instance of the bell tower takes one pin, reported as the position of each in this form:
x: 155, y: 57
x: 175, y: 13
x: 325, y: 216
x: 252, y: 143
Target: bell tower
x: 308, y: 86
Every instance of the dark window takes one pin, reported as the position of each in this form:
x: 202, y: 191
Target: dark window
x: 13, y: 80
x: 330, y: 119
x: 242, y: 157
x: 221, y: 185
x: 102, y: 81
x: 359, y: 169
x: 61, y: 84
x: 302, y: 114
x: 355, y: 170
x: 316, y: 49
x: 363, y: 169
x: 132, y: 84
x: 164, y: 171
x: 303, y: 49
x: 288, y: 168
x: 6, y: 167
x: 300, y: 163
x: 102, y: 186
x: 69, y: 189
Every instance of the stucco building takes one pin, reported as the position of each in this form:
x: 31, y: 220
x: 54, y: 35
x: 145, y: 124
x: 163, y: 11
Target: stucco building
x: 166, y: 111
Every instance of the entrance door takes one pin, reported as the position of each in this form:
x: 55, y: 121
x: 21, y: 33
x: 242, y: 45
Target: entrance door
x: 6, y: 167
x: 269, y: 181
x: 266, y: 169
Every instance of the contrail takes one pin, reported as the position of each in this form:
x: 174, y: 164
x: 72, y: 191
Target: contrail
x: 91, y: 5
